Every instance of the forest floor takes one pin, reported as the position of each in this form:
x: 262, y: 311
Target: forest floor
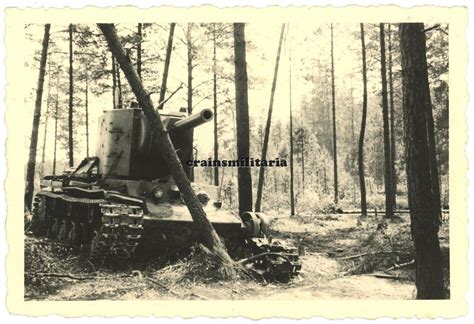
x: 344, y: 258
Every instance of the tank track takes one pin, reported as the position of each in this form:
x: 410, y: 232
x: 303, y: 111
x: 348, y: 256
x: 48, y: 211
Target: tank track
x: 109, y: 232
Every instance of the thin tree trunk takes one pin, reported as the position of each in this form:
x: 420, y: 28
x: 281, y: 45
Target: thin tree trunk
x: 45, y: 135
x: 363, y: 199
x: 214, y: 90
x: 302, y: 156
x: 56, y: 104
x: 119, y: 88
x: 164, y: 81
x: 242, y: 118
x: 208, y: 235
x: 139, y: 50
x: 114, y: 84
x: 386, y: 129
x: 261, y: 174
x: 292, y: 176
x: 334, y: 137
x: 30, y: 171
x: 71, y: 98
x: 87, y: 115
x: 392, y: 121
x: 190, y: 94
x: 421, y: 198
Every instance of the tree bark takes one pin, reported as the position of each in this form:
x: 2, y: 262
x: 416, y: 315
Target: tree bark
x: 392, y: 121
x: 164, y: 81
x: 56, y: 104
x: 30, y: 171
x: 421, y: 198
x: 386, y: 129
x: 87, y: 115
x: 114, y: 84
x: 71, y: 99
x: 242, y: 118
x: 139, y: 50
x: 45, y: 134
x: 207, y: 234
x: 119, y: 88
x: 214, y: 90
x: 334, y: 137
x: 363, y: 198
x: 292, y: 176
x: 190, y: 171
x: 266, y: 137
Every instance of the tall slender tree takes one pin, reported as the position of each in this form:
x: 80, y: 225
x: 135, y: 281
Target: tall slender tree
x: 169, y: 49
x: 30, y: 171
x: 114, y: 84
x: 214, y: 100
x: 363, y: 198
x: 334, y: 132
x: 424, y: 213
x: 242, y: 117
x: 386, y: 130
x: 139, y: 49
x: 45, y: 133
x: 392, y: 120
x: 190, y: 67
x: 86, y: 103
x: 292, y: 176
x: 266, y: 137
x: 71, y: 98
x: 56, y: 106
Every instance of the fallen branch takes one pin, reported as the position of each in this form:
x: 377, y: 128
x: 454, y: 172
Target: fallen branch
x: 366, y: 254
x: 63, y: 275
x: 385, y: 276
x: 398, y: 266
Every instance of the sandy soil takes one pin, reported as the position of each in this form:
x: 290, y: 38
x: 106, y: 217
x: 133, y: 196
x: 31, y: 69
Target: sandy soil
x: 332, y: 268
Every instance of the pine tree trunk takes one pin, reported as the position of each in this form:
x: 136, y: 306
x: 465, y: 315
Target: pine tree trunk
x: 392, y: 121
x: 87, y: 115
x: 214, y: 90
x: 266, y: 137
x: 421, y: 198
x: 363, y: 198
x: 139, y: 50
x: 114, y: 84
x: 302, y: 156
x: 56, y: 104
x: 45, y: 134
x: 334, y: 137
x: 164, y: 81
x: 207, y: 234
x: 292, y: 176
x: 386, y: 131
x: 190, y: 170
x: 71, y: 98
x: 242, y: 118
x: 30, y: 171
x: 119, y: 88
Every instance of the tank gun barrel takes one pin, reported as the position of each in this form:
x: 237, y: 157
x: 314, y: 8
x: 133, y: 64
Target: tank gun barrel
x: 193, y: 121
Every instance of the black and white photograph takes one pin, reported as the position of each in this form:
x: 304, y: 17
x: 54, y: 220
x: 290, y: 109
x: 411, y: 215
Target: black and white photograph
x: 227, y: 159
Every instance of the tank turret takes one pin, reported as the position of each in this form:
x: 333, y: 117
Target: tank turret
x: 125, y: 147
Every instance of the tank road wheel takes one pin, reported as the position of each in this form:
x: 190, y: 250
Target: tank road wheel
x: 38, y: 221
x: 54, y: 230
x: 96, y: 254
x: 73, y: 235
x: 62, y: 234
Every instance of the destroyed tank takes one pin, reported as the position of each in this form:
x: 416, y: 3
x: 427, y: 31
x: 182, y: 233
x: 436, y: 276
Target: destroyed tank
x: 124, y: 201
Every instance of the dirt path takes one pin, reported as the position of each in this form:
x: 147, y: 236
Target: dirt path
x: 332, y: 268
